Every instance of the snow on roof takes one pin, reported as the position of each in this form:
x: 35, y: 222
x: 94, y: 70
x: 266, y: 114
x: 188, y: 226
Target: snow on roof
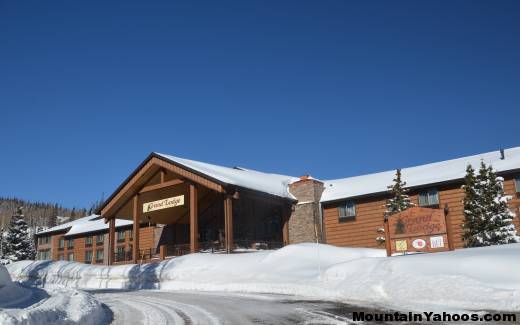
x: 95, y: 225
x: 65, y: 226
x: 420, y: 175
x: 85, y: 225
x: 273, y: 184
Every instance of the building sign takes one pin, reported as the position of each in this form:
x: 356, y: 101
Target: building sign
x: 417, y: 230
x: 163, y: 204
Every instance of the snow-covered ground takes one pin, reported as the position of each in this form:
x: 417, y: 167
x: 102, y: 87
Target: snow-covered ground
x: 470, y: 279
x: 21, y: 305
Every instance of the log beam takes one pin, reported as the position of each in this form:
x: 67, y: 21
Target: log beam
x: 111, y: 239
x: 228, y: 223
x: 161, y: 185
x: 136, y: 212
x: 194, y: 219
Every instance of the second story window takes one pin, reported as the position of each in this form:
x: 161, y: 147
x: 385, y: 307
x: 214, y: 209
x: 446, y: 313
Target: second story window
x: 88, y: 240
x: 517, y: 184
x: 347, y: 210
x: 43, y: 240
x: 121, y: 235
x: 88, y: 256
x: 99, y: 255
x: 100, y: 238
x: 70, y: 243
x: 61, y: 243
x: 429, y: 198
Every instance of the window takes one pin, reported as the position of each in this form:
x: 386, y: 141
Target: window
x: 347, y: 210
x: 88, y: 241
x: 88, y: 256
x: 70, y: 243
x: 120, y: 253
x: 70, y: 257
x: 130, y: 234
x: 44, y: 255
x: 121, y: 235
x: 61, y: 243
x: 429, y: 198
x: 100, y: 238
x: 517, y: 184
x: 61, y: 257
x: 43, y: 240
x: 99, y: 255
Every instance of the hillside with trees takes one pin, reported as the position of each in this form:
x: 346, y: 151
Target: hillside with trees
x: 41, y: 214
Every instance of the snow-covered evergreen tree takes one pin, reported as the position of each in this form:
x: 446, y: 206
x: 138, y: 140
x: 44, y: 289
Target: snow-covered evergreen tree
x: 501, y: 229
x: 400, y: 200
x: 473, y: 224
x: 487, y: 218
x: 18, y: 244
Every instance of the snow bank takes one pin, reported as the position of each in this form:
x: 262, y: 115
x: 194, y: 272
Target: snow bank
x: 21, y: 305
x: 471, y: 279
x: 10, y: 293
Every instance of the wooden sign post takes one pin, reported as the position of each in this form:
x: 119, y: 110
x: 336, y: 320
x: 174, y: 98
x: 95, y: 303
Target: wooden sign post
x: 418, y: 230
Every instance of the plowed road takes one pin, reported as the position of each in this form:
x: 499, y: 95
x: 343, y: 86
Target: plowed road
x: 159, y: 307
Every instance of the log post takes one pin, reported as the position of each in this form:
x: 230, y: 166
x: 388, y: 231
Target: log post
x: 449, y: 227
x: 286, y: 213
x: 194, y: 222
x: 111, y: 239
x: 228, y: 223
x: 162, y: 252
x: 135, y: 247
x: 388, y: 243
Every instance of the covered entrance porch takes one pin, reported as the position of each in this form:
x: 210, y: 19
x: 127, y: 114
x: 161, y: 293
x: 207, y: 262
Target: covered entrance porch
x: 190, y: 206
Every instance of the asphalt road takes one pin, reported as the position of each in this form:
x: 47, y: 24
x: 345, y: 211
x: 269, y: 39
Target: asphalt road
x: 159, y: 307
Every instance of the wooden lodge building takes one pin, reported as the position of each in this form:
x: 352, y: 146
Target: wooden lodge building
x: 171, y: 206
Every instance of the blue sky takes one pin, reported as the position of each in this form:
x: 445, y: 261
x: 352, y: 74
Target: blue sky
x: 332, y: 88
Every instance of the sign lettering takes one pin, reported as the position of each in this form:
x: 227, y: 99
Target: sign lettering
x: 163, y: 204
x: 417, y: 229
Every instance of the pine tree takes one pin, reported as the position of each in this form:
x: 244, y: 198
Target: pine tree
x: 400, y: 201
x: 473, y: 224
x: 501, y: 229
x: 18, y: 242
x: 487, y: 218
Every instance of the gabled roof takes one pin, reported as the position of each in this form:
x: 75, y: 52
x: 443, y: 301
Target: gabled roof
x: 274, y: 184
x: 429, y: 174
x: 83, y: 225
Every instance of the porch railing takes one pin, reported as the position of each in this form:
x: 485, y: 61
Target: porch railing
x: 258, y: 244
x: 217, y: 247
x: 123, y: 256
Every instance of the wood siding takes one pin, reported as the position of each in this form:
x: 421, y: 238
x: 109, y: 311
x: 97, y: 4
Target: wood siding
x: 362, y: 230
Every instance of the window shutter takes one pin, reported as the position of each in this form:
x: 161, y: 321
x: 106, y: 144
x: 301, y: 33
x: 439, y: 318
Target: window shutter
x: 341, y: 211
x: 350, y: 209
x: 423, y: 199
x: 433, y: 197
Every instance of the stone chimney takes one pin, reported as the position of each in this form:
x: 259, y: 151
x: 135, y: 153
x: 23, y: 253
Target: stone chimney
x: 305, y: 220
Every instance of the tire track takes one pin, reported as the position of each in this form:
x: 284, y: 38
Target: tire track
x: 153, y: 311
